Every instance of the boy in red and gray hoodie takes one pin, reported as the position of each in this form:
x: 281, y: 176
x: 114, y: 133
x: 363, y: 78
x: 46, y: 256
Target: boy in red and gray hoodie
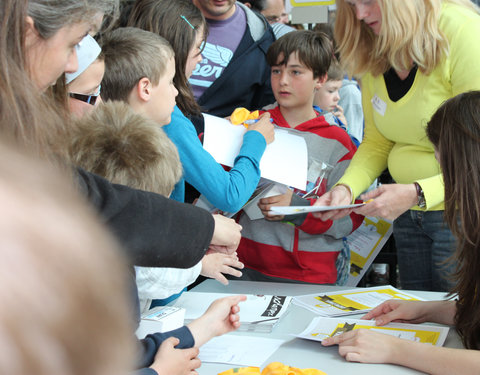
x: 301, y: 248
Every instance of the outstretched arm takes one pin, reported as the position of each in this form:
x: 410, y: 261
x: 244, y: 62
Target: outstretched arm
x: 221, y: 317
x: 366, y: 346
x: 393, y: 310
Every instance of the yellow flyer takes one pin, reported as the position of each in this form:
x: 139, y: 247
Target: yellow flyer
x: 354, y: 301
x: 320, y: 328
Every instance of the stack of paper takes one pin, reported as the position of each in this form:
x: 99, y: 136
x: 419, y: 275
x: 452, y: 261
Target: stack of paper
x: 321, y: 328
x: 258, y: 313
x: 348, y: 302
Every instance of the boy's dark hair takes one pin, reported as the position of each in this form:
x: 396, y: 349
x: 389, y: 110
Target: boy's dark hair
x: 256, y: 5
x: 313, y: 49
x: 131, y: 54
x: 335, y: 72
x: 126, y: 148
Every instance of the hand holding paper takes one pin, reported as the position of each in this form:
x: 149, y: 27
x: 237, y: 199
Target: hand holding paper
x: 340, y: 195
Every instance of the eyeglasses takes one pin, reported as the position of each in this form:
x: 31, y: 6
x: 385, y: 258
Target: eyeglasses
x: 272, y: 19
x: 89, y: 99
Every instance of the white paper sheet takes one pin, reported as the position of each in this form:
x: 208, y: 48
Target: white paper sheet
x: 239, y: 350
x: 297, y: 210
x: 321, y: 328
x: 285, y: 159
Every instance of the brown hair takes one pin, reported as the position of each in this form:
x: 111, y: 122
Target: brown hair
x: 173, y: 20
x: 62, y: 281
x: 26, y: 116
x: 125, y: 148
x: 131, y: 54
x: 335, y: 71
x: 454, y: 130
x: 409, y: 32
x: 314, y: 50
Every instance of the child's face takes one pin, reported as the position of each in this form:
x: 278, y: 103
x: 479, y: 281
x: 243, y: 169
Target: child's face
x: 163, y: 96
x: 194, y: 55
x: 327, y: 96
x: 293, y: 85
x: 87, y: 83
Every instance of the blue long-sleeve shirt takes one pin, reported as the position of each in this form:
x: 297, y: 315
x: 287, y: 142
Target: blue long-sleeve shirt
x: 227, y: 191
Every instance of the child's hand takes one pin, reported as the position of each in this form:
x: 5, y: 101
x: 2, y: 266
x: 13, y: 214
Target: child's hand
x: 221, y: 317
x: 264, y: 127
x: 276, y: 200
x: 215, y: 264
x: 169, y: 360
x: 341, y: 116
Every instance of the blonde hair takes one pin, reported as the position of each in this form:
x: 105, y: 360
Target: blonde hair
x: 126, y: 148
x: 409, y: 33
x: 65, y: 301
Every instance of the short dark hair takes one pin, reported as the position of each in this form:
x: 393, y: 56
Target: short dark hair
x: 314, y: 50
x: 257, y: 5
x: 132, y: 54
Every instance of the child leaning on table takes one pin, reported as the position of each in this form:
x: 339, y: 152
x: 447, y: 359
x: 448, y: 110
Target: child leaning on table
x: 129, y: 149
x: 301, y: 248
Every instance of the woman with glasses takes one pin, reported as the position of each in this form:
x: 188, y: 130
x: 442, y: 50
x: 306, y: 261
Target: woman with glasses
x: 411, y: 55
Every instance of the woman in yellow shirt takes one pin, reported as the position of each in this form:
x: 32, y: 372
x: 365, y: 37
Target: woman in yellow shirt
x: 411, y: 55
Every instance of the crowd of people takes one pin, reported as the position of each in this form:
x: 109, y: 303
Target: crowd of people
x: 101, y: 127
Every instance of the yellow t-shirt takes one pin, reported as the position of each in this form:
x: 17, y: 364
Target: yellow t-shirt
x: 395, y: 131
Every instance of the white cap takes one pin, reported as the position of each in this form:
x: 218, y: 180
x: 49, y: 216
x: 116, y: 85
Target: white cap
x: 87, y: 52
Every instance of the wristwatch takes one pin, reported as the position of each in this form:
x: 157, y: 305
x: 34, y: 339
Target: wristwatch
x: 421, y: 202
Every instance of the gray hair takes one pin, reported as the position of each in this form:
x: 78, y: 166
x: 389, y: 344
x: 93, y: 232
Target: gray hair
x: 51, y: 15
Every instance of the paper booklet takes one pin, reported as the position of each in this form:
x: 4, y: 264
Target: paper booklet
x: 320, y: 328
x: 348, y: 302
x: 297, y: 210
x: 258, y: 313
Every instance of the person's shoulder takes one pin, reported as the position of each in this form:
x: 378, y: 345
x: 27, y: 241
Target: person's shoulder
x: 455, y: 17
x: 280, y: 29
x: 257, y: 24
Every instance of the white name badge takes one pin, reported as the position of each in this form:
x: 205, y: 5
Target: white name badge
x: 379, y: 105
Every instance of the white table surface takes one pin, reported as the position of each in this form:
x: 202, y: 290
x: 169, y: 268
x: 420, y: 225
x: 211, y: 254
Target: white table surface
x: 304, y: 353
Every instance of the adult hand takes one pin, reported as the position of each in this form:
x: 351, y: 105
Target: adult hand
x: 363, y: 345
x: 215, y: 265
x: 340, y: 195
x: 389, y: 201
x: 226, y: 235
x: 169, y: 360
x: 412, y: 312
x: 265, y: 204
x: 221, y: 317
x: 264, y: 127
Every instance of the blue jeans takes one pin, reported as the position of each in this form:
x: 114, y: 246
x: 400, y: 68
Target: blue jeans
x: 424, y: 244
